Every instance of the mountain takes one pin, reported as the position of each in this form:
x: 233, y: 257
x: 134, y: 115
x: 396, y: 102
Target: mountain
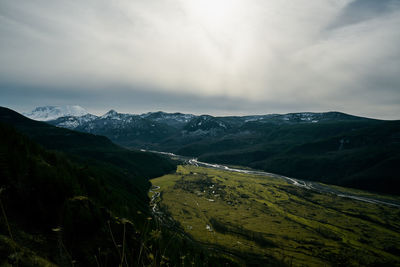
x: 125, y: 129
x: 331, y: 147
x: 120, y: 120
x: 47, y: 113
x: 158, y: 130
x: 176, y: 120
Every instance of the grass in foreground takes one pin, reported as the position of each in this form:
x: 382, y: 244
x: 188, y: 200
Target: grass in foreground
x: 263, y: 219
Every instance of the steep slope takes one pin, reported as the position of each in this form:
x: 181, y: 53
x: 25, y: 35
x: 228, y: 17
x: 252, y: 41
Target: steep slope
x: 76, y: 208
x: 44, y: 190
x: 86, y: 146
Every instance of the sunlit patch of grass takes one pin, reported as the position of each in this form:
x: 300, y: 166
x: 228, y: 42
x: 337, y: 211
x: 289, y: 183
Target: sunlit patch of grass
x: 271, y: 218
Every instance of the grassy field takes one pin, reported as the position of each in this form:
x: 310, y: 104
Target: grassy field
x: 258, y: 219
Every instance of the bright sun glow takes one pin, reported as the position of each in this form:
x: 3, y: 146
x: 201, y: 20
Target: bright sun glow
x: 217, y: 14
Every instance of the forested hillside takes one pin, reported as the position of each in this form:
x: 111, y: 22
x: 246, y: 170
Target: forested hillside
x: 80, y: 205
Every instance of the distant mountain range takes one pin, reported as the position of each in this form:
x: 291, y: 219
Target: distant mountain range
x: 331, y: 147
x: 155, y: 129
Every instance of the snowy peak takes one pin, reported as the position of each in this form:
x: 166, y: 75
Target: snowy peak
x: 47, y: 113
x: 111, y: 114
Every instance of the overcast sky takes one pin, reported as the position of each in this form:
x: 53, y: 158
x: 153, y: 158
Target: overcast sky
x: 217, y: 57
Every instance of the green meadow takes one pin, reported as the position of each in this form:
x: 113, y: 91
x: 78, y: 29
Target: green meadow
x: 263, y: 220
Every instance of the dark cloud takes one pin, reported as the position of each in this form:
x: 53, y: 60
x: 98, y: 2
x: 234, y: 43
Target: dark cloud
x: 361, y: 10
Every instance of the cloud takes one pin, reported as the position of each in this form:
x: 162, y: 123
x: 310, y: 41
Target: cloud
x: 361, y: 10
x: 303, y: 54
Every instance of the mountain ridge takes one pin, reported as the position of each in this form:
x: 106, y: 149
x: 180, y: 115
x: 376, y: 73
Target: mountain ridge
x: 306, y: 145
x: 47, y: 112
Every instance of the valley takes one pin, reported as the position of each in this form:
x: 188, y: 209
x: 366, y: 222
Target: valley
x: 359, y: 195
x: 264, y: 218
x: 329, y: 147
x: 94, y: 200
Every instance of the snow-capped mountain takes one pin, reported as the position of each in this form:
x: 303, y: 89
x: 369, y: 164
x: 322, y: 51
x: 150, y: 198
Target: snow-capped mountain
x: 116, y: 120
x: 128, y: 129
x: 48, y: 113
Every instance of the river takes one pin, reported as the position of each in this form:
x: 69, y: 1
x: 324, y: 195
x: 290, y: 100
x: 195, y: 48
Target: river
x: 309, y: 185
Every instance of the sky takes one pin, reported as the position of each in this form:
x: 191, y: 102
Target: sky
x: 218, y: 57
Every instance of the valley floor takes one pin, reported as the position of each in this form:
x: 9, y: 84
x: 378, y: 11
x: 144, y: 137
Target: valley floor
x: 254, y: 219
